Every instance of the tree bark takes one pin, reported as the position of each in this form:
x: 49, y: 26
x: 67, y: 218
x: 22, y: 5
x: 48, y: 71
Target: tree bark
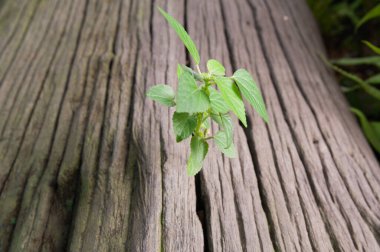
x: 87, y: 163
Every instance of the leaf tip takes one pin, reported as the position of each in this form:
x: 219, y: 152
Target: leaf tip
x: 266, y: 119
x: 160, y: 9
x: 192, y: 172
x: 244, y: 122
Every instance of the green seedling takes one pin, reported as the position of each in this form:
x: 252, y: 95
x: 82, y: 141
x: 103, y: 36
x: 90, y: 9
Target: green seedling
x: 205, y: 97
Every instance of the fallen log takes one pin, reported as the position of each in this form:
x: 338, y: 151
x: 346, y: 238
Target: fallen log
x: 87, y: 163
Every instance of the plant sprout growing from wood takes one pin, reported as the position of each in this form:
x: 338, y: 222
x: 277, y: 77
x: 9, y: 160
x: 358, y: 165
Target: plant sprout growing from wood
x: 202, y: 97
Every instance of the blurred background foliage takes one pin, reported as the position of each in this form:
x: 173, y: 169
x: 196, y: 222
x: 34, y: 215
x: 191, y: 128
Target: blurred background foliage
x: 351, y: 31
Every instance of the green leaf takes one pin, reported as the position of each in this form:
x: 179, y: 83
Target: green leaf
x: 373, y: 80
x: 217, y: 103
x: 196, y: 76
x: 190, y: 98
x: 184, y: 124
x: 232, y: 97
x: 371, y: 132
x: 373, y: 13
x: 376, y: 128
x: 163, y: 94
x: 183, y: 35
x: 371, y: 46
x: 371, y: 60
x: 220, y: 140
x: 215, y: 67
x: 364, y: 85
x: 199, y: 148
x: 251, y: 92
x: 206, y: 123
x: 224, y: 121
x: 179, y: 71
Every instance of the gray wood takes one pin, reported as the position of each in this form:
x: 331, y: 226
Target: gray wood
x: 87, y: 163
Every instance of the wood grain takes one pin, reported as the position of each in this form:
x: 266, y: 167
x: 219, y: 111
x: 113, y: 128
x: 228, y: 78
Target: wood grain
x: 87, y: 163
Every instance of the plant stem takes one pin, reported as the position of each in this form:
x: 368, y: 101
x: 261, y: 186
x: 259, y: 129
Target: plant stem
x: 204, y: 118
x: 199, y: 123
x: 198, y: 69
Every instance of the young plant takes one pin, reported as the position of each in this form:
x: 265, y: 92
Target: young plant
x: 202, y: 97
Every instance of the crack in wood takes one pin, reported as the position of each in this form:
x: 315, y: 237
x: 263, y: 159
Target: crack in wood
x: 250, y: 140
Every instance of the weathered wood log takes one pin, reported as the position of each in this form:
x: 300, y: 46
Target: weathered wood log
x: 87, y: 163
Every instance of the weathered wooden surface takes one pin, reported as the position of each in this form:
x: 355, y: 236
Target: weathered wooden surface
x: 88, y: 164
